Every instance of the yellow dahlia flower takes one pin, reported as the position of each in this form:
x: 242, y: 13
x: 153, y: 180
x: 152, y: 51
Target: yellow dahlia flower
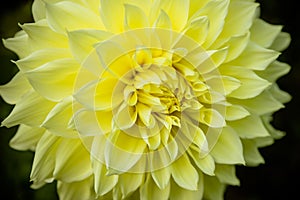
x: 153, y: 99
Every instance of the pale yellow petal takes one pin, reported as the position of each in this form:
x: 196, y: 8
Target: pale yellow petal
x: 235, y: 112
x: 228, y: 149
x: 274, y: 71
x: 187, y: 178
x: 179, y: 193
x: 135, y: 17
x: 213, y: 188
x: 161, y: 177
x: 251, y: 84
x: 264, y: 33
x: 72, y: 161
x: 149, y: 191
x: 76, y: 190
x: 282, y: 41
x: 41, y: 57
x: 255, y: 57
x: 261, y: 104
x: 15, y: 89
x: 251, y: 153
x: 249, y: 127
x: 18, y: 44
x: 44, y: 159
x: 226, y: 174
x: 112, y: 14
x: 32, y: 110
x: 120, y: 156
x: 58, y: 119
x: 129, y: 182
x: 63, y: 16
x: 54, y: 89
x: 82, y: 41
x: 26, y: 138
x: 40, y: 36
x: 239, y: 18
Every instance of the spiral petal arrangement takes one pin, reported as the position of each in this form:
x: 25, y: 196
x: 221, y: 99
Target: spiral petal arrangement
x: 153, y: 99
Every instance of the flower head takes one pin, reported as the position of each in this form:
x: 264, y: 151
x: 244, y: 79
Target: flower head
x: 144, y: 99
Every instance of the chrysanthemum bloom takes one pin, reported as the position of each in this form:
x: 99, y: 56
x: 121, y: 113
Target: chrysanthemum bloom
x: 153, y: 99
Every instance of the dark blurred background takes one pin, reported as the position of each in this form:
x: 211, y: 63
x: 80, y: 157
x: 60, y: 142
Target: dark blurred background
x: 278, y: 178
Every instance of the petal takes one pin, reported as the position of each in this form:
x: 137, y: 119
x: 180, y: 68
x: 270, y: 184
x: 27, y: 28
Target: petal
x: 44, y: 159
x: 249, y: 127
x: 184, y: 174
x: 30, y: 110
x: 122, y: 152
x: 70, y: 16
x: 41, y: 57
x: 226, y: 174
x: 223, y: 84
x: 103, y: 182
x: 205, y: 164
x: 281, y: 42
x: 179, y: 193
x: 64, y: 71
x: 251, y: 154
x: 13, y: 91
x: 235, y: 112
x: 216, y: 12
x: 264, y: 33
x: 114, y: 57
x: 38, y: 10
x: 129, y: 182
x: 255, y: 57
x: 82, y: 41
x: 228, y: 149
x: 18, y: 44
x: 26, y: 138
x: 40, y: 36
x: 198, y: 29
x: 149, y: 191
x: 113, y: 21
x: 214, y: 189
x: 135, y: 17
x: 261, y: 104
x: 211, y: 118
x: 76, y: 190
x: 239, y: 18
x: 161, y: 177
x: 72, y: 161
x: 251, y: 84
x: 163, y: 21
x: 177, y: 11
x: 274, y: 71
x: 91, y: 123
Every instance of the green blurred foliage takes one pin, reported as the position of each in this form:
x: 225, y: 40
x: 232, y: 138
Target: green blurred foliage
x: 272, y: 180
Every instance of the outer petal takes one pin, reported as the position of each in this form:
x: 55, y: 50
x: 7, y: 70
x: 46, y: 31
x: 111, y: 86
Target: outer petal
x: 149, y: 191
x: 72, y: 161
x: 58, y: 119
x: 76, y: 190
x: 44, y: 160
x: 179, y: 193
x: 26, y: 138
x: 31, y: 111
x: 245, y: 129
x: 187, y: 178
x: 226, y: 174
x: 15, y: 89
x: 214, y: 189
x: 228, y: 149
x: 64, y: 16
x: 55, y: 89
